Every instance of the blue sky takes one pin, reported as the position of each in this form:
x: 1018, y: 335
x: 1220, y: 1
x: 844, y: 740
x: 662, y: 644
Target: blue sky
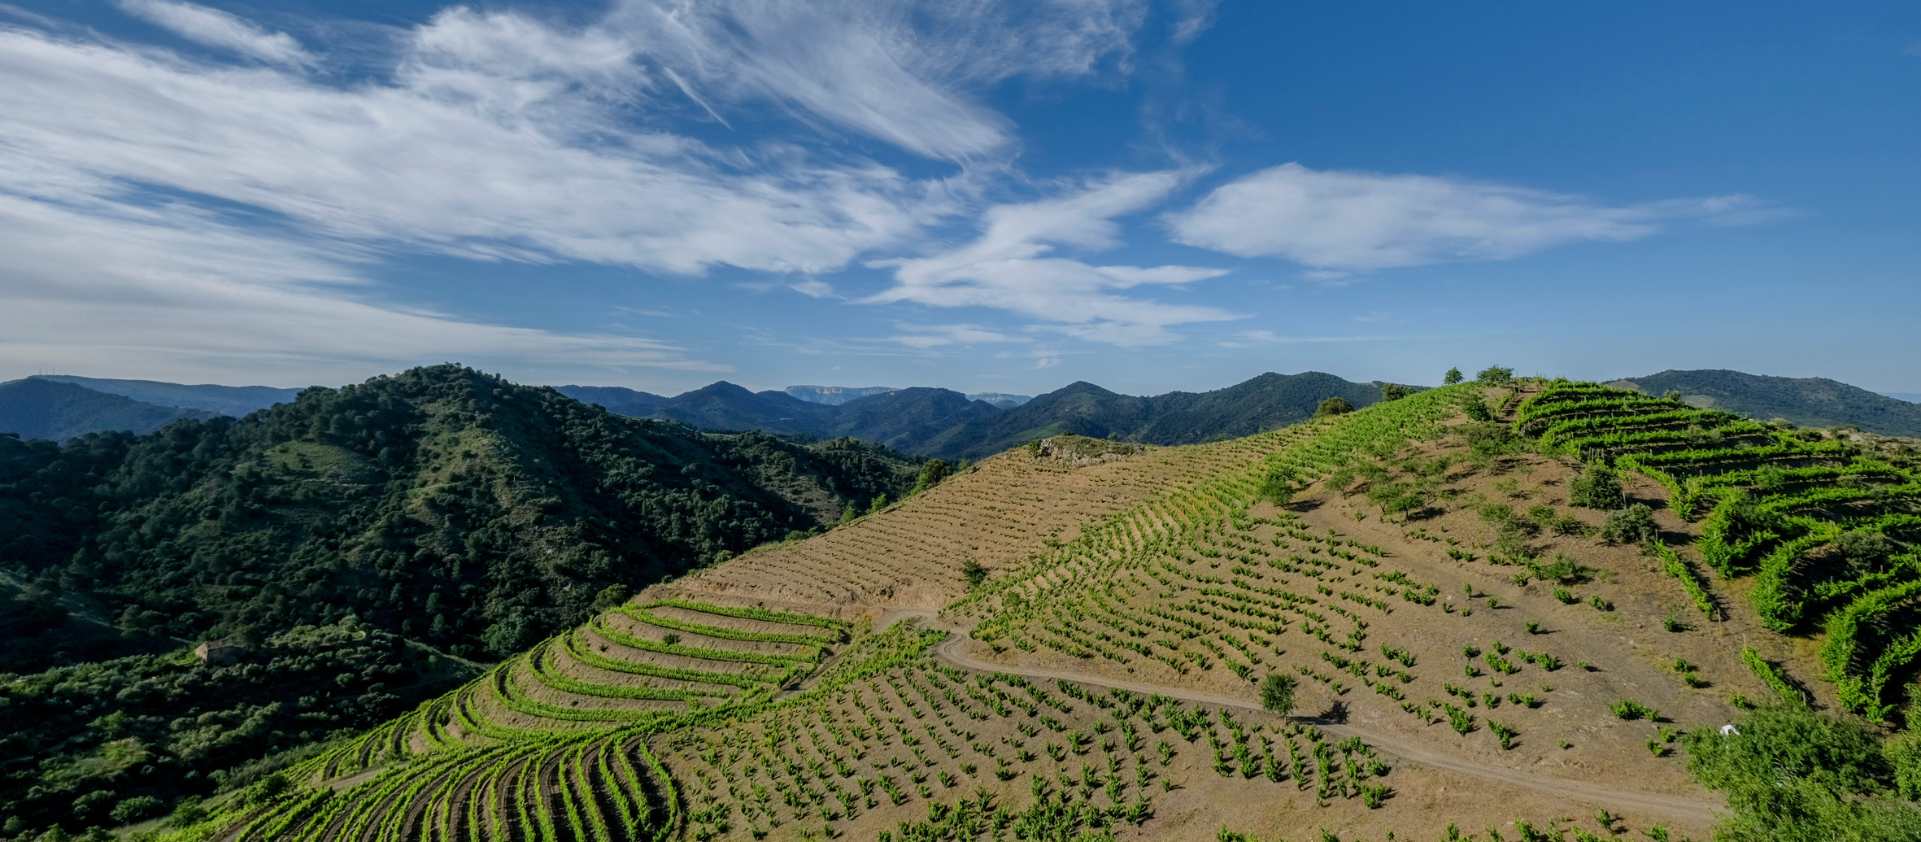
x: 1002, y: 196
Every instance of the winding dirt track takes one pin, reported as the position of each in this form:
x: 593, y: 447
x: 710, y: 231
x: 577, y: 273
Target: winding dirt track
x: 1692, y: 809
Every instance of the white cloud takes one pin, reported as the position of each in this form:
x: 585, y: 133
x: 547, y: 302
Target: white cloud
x: 941, y: 336
x: 215, y: 28
x: 813, y: 288
x: 540, y: 176
x: 1335, y: 221
x: 171, y: 292
x: 1262, y: 336
x: 896, y: 71
x: 112, y: 155
x: 1013, y: 266
x: 1192, y: 18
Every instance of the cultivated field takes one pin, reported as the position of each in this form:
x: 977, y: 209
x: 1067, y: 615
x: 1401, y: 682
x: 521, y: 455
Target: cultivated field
x: 1474, y: 653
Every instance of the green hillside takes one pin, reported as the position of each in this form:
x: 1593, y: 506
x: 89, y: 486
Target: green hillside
x: 439, y: 507
x: 441, y: 504
x: 1808, y: 401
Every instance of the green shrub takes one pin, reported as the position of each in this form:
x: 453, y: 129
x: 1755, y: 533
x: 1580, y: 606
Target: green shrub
x: 1495, y: 375
x: 1632, y: 525
x: 973, y: 573
x: 1598, y: 487
x: 1277, y: 694
x: 1793, y: 775
x: 1452, y: 377
x: 1333, y: 406
x: 1904, y: 757
x: 137, y: 808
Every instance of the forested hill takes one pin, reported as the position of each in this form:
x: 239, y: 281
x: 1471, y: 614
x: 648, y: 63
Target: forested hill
x: 440, y: 504
x: 1808, y: 401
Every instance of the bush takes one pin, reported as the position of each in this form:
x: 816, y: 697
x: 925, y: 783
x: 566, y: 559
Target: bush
x: 1279, y: 486
x: 1904, y: 756
x: 137, y: 808
x: 1495, y: 375
x: 1598, y: 487
x: 1793, y: 775
x: 611, y: 596
x: 974, y: 573
x: 1333, y: 406
x: 1277, y: 694
x: 1452, y: 377
x: 1632, y: 525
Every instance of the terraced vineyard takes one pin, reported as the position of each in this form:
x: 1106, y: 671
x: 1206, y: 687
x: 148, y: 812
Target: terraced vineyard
x: 1102, y: 672
x: 1001, y: 512
x: 1828, y: 531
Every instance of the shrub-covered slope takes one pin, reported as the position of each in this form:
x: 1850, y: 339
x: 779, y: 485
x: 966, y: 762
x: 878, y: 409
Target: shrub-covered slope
x: 442, y: 504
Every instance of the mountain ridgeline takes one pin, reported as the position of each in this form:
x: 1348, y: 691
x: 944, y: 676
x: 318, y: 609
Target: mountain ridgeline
x: 440, y: 504
x: 1807, y: 401
x: 949, y: 424
x: 38, y: 408
x: 203, y: 397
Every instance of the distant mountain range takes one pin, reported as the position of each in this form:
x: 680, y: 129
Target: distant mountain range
x: 206, y: 397
x: 39, y: 408
x: 1807, y: 401
x: 1910, y: 397
x: 943, y: 422
x: 837, y: 395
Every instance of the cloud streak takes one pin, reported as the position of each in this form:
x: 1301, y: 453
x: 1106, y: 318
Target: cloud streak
x: 1015, y: 265
x: 1337, y: 221
x: 220, y: 30
x: 898, y: 72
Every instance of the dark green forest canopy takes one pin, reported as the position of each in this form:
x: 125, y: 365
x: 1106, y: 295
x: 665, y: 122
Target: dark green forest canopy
x: 441, y: 504
x: 342, y: 537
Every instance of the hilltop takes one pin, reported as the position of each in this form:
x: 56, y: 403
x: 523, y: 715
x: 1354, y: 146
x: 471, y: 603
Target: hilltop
x: 1807, y: 401
x: 1475, y: 626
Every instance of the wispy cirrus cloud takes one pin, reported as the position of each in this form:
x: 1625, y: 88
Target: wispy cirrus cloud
x: 1262, y: 336
x: 900, y: 72
x: 496, y: 135
x: 948, y: 335
x: 170, y: 292
x: 1337, y: 221
x: 1016, y: 265
x: 214, y: 28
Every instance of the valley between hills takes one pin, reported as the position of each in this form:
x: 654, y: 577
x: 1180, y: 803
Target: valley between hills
x: 1504, y: 609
